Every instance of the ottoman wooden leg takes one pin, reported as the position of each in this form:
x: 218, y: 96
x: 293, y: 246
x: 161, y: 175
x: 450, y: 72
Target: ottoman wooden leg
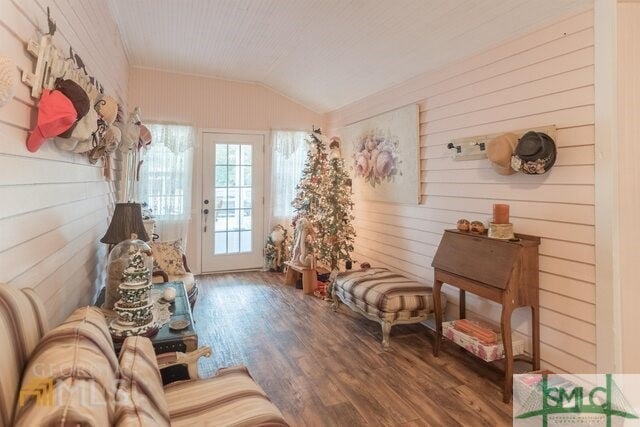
x: 386, y: 330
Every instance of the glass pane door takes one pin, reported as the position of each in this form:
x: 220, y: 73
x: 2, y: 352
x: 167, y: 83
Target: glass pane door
x: 233, y: 203
x: 232, y: 187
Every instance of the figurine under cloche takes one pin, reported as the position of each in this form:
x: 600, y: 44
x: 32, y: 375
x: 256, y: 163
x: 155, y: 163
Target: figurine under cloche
x: 135, y: 306
x: 118, y: 260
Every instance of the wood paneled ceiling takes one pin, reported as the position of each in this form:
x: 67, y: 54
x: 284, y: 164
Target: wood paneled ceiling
x: 322, y: 53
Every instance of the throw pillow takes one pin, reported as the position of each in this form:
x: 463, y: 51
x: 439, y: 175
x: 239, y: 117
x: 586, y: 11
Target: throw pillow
x: 140, y: 397
x: 167, y: 256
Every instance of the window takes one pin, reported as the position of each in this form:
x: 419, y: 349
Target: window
x: 289, y: 152
x: 165, y: 180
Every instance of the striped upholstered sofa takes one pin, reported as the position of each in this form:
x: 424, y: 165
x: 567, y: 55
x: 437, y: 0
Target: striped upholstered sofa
x: 70, y: 375
x: 384, y: 296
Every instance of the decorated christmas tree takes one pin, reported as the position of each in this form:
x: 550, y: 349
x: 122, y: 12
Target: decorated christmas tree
x: 335, y: 244
x: 311, y: 196
x: 324, y: 199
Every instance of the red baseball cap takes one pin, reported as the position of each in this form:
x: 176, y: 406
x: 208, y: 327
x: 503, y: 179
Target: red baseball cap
x: 56, y: 114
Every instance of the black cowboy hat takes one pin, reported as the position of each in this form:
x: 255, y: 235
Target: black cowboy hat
x: 534, y: 154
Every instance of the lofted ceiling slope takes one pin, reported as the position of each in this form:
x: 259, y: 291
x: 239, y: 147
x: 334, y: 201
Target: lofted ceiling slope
x: 323, y: 53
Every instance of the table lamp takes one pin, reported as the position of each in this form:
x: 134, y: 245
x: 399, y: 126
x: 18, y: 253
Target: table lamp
x: 126, y: 220
x: 126, y: 232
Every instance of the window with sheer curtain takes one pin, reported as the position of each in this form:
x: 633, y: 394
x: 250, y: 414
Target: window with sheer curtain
x: 165, y: 178
x: 289, y: 152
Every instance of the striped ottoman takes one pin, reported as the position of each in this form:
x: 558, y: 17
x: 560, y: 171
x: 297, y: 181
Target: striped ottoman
x: 384, y: 296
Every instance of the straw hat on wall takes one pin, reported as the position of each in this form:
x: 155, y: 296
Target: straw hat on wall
x: 499, y: 151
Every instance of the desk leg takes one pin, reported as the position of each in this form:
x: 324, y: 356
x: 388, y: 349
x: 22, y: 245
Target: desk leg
x: 505, y: 323
x: 535, y: 336
x: 462, y: 301
x: 437, y: 308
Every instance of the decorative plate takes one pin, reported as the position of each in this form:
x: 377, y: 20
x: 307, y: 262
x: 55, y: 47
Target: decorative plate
x: 178, y: 325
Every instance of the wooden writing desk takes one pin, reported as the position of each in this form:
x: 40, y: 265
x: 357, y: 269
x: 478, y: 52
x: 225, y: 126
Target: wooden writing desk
x: 502, y: 271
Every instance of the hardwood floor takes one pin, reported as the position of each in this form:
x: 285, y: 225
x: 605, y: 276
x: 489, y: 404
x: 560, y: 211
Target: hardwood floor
x: 328, y: 369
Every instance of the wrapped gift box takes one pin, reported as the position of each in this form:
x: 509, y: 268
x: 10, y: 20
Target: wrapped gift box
x: 486, y: 352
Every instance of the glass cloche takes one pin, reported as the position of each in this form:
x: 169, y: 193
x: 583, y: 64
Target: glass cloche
x: 118, y: 260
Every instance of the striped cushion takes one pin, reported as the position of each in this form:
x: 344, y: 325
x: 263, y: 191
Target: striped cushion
x: 140, y: 398
x: 22, y: 324
x: 390, y: 317
x: 231, y: 398
x: 79, y: 360
x: 384, y: 291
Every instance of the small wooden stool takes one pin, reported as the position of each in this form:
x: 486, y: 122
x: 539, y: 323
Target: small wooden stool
x: 309, y: 277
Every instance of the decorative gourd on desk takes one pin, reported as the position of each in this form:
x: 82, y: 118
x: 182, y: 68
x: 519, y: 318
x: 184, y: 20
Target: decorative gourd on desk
x: 476, y: 227
x: 463, y: 225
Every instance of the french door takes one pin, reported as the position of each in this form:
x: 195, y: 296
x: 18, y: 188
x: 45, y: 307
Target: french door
x: 232, y: 201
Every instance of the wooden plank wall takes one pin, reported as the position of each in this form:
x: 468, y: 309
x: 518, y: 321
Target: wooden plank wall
x: 54, y: 205
x: 543, y: 78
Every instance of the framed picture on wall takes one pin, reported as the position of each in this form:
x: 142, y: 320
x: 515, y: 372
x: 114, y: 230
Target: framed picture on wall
x: 382, y: 156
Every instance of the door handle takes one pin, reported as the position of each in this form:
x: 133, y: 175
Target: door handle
x: 205, y: 212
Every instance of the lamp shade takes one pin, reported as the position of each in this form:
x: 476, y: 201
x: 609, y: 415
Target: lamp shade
x: 127, y: 220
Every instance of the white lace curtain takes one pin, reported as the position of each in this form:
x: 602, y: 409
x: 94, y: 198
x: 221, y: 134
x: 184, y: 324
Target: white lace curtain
x: 289, y: 151
x: 165, y: 179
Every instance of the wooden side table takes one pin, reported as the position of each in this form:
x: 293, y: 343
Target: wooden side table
x: 502, y: 271
x: 309, y: 277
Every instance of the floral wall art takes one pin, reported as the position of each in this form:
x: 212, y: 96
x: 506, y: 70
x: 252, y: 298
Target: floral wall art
x: 382, y: 156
